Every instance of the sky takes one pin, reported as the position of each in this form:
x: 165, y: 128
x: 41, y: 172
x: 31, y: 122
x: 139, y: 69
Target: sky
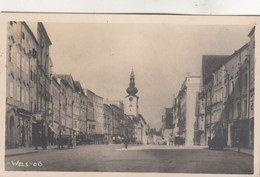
x: 101, y: 55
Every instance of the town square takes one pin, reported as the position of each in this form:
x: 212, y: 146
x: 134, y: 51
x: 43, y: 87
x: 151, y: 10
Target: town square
x: 130, y: 97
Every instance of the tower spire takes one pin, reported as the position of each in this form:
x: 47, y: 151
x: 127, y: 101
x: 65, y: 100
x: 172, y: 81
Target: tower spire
x: 132, y: 90
x: 132, y: 72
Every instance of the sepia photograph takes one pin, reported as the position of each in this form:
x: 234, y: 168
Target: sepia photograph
x: 139, y: 93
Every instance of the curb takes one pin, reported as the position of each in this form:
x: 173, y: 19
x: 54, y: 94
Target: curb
x: 28, y: 152
x: 16, y: 154
x: 241, y: 152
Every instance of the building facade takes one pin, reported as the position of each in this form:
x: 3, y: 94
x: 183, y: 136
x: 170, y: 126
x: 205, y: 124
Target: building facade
x: 168, y: 133
x: 186, y: 115
x: 21, y: 83
x: 91, y: 122
x: 228, y: 94
x: 99, y: 118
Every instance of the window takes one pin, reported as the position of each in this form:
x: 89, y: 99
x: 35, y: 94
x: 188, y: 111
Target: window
x: 31, y: 106
x: 27, y: 97
x: 239, y: 83
x: 252, y: 105
x: 93, y: 127
x: 89, y: 126
x: 225, y: 91
x: 232, y: 110
x: 245, y: 107
x: 31, y: 73
x: 11, y: 89
x: 34, y: 53
x: 23, y: 35
x: 22, y: 96
x: 18, y: 93
x: 10, y: 53
x: 231, y: 86
x: 238, y: 109
x: 245, y: 80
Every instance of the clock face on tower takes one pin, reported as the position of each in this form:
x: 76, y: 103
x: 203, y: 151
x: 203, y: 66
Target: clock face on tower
x: 131, y: 98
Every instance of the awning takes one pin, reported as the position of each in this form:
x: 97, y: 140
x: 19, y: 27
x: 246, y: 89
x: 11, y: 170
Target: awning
x: 54, y: 128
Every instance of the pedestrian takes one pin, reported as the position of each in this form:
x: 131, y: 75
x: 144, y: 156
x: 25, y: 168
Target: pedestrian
x: 126, y: 141
x: 209, y: 142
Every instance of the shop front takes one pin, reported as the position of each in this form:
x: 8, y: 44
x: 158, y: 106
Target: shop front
x: 240, y: 133
x: 18, y: 128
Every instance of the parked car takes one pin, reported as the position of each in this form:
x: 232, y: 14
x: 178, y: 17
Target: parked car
x: 218, y: 142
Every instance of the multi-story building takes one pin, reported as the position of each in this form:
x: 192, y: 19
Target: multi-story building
x: 235, y: 96
x: 199, y: 127
x: 43, y: 80
x: 62, y: 106
x: 108, y: 118
x: 129, y: 128
x: 99, y: 118
x: 55, y: 91
x: 21, y: 97
x: 68, y: 86
x: 118, y: 119
x: 186, y: 114
x: 209, y: 65
x: 168, y: 126
x: 82, y: 124
x: 91, y: 122
x: 76, y: 109
x: 251, y: 85
x: 228, y: 91
x: 115, y: 120
x: 142, y: 130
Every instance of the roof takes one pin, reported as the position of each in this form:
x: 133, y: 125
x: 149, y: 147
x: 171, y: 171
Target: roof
x: 209, y: 63
x: 90, y: 92
x: 141, y: 117
x: 78, y: 87
x: 30, y: 31
x: 44, y: 32
x: 55, y: 80
x: 236, y: 52
x: 251, y: 32
x: 68, y: 80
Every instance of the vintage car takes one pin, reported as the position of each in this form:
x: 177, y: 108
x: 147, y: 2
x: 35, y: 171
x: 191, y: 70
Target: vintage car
x: 65, y: 140
x: 179, y: 141
x: 218, y: 142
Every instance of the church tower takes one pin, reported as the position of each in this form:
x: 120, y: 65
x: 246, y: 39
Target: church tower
x: 131, y: 101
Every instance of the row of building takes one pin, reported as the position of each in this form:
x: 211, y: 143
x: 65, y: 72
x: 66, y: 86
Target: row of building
x: 41, y: 105
x: 220, y: 102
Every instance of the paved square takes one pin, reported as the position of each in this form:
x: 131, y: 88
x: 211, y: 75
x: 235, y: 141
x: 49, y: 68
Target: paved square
x: 113, y: 158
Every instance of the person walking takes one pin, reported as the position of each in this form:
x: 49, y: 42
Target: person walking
x: 126, y: 141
